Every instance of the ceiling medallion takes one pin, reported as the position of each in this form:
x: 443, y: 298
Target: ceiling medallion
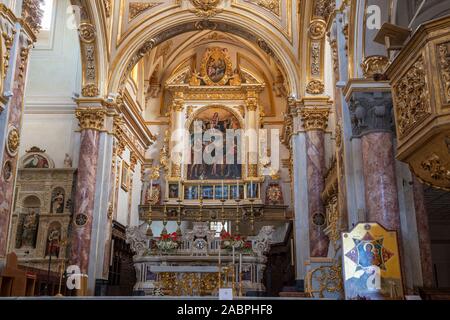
x: 206, y: 8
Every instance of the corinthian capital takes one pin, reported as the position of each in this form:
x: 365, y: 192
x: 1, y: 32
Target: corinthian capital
x: 315, y: 118
x: 91, y: 118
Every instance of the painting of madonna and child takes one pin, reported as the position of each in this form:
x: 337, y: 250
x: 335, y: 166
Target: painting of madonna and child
x: 215, y: 163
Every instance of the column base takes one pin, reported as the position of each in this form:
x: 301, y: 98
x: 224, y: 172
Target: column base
x: 101, y: 287
x: 300, y: 285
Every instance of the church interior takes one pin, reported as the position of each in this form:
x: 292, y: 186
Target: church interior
x: 276, y: 148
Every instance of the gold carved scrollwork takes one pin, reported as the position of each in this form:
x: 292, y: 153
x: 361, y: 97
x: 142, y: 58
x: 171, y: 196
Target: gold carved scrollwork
x: 90, y: 90
x: 329, y: 279
x: 32, y: 14
x: 374, y: 65
x: 315, y: 87
x: 136, y: 8
x: 412, y: 98
x: 206, y: 8
x: 317, y: 29
x: 91, y: 118
x: 8, y: 44
x: 434, y: 166
x: 444, y: 63
x: 86, y: 32
x: 271, y: 5
x: 314, y: 118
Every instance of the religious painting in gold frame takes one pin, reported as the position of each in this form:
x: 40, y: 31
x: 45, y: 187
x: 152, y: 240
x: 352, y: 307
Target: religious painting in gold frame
x: 371, y: 263
x: 216, y: 67
x: 125, y: 176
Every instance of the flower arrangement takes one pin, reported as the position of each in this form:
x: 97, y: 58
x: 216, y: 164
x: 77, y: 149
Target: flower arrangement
x: 167, y: 242
x: 238, y: 242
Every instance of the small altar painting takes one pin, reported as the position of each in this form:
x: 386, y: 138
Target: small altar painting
x: 174, y: 191
x: 371, y: 263
x: 216, y: 66
x: 153, y: 194
x: 191, y: 192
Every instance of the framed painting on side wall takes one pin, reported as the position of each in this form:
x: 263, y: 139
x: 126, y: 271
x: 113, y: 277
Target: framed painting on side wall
x: 125, y: 176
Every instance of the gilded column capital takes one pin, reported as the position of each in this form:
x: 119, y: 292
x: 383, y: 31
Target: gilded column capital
x: 314, y: 118
x: 133, y: 160
x: 177, y: 105
x: 92, y: 118
x: 371, y: 112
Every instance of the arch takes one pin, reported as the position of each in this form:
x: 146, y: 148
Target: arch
x: 194, y: 114
x: 91, y: 30
x: 142, y: 41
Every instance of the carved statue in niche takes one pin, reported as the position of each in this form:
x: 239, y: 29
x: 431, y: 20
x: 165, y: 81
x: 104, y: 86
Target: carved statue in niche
x: 27, y: 229
x: 53, y: 239
x: 235, y: 80
x: 57, y: 205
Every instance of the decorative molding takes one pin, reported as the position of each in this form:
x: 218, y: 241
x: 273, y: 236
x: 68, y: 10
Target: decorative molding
x: 444, y: 65
x: 324, y: 8
x: 12, y: 145
x: 317, y: 29
x: 315, y: 87
x: 206, y: 8
x: 433, y: 165
x: 90, y: 90
x: 87, y: 32
x: 411, y: 98
x: 374, y: 66
x: 137, y: 8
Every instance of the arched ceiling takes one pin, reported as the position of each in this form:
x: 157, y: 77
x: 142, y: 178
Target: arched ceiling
x: 186, y: 51
x: 122, y: 32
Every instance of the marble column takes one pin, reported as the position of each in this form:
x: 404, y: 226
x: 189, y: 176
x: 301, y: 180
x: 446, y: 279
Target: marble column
x: 372, y: 121
x: 423, y: 234
x: 11, y: 113
x: 315, y: 121
x: 91, y: 123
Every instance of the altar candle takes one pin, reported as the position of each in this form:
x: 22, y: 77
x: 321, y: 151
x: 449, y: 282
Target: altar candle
x: 233, y: 257
x: 151, y: 188
x: 240, y: 263
x: 237, y: 190
x: 219, y: 256
x: 179, y: 190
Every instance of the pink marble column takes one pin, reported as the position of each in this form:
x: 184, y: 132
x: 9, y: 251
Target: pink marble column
x: 84, y: 198
x: 8, y: 169
x: 315, y: 145
x: 380, y: 180
x: 423, y: 233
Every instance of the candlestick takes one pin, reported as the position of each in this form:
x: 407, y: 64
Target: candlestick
x: 233, y: 255
x: 240, y: 262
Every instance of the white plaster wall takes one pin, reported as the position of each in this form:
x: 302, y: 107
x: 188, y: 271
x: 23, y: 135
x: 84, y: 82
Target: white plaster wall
x: 53, y: 78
